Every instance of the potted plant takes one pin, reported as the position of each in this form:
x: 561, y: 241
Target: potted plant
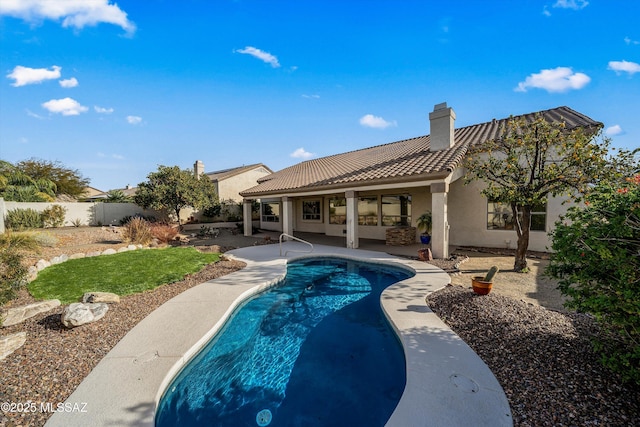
x: 424, y: 224
x: 482, y: 284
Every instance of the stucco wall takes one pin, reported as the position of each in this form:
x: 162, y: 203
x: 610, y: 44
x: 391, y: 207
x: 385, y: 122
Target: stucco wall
x: 468, y: 220
x: 231, y: 187
x: 87, y: 213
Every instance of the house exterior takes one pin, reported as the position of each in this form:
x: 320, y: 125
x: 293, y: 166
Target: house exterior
x: 229, y: 182
x: 364, y: 193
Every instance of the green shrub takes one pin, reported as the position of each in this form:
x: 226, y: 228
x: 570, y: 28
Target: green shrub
x: 54, y: 216
x: 138, y: 231
x: 13, y: 274
x: 23, y: 219
x: 596, y: 259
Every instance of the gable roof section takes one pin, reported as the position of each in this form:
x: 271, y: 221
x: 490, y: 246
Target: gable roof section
x: 228, y: 173
x: 401, y: 161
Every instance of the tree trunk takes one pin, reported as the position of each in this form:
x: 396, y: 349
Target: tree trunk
x: 522, y: 229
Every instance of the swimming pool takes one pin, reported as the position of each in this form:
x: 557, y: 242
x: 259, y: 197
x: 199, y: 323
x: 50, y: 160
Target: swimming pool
x: 314, y: 350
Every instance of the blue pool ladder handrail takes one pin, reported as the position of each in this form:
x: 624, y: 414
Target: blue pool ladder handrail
x: 294, y: 238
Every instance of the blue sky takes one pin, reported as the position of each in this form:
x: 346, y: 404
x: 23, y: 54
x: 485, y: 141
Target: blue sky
x: 116, y: 89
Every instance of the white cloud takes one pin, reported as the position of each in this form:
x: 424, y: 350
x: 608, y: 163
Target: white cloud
x: 311, y: 96
x: 34, y: 115
x: 300, y: 153
x: 72, y: 82
x: 559, y: 79
x: 74, y: 13
x: 102, y: 110
x: 261, y: 55
x: 134, y: 120
x: 624, y: 66
x: 369, y: 120
x: 571, y: 4
x: 65, y: 106
x: 26, y: 76
x: 628, y: 40
x: 614, y: 130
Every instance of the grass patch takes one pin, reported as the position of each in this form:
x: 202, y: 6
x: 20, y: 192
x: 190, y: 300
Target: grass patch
x: 123, y: 273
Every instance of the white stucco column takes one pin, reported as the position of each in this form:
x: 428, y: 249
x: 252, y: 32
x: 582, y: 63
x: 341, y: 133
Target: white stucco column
x: 2, y: 213
x: 246, y: 216
x: 352, y: 219
x: 287, y: 215
x: 440, y: 229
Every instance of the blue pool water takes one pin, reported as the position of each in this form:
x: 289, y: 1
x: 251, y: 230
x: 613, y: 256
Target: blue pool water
x: 315, y: 350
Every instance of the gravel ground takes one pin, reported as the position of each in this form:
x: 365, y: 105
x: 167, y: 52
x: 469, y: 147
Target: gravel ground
x: 541, y: 357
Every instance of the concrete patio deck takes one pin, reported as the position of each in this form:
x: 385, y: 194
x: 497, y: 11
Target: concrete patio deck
x: 447, y: 383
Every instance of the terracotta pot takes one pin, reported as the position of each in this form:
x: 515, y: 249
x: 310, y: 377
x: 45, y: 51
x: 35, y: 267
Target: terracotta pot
x: 479, y: 286
x: 425, y: 254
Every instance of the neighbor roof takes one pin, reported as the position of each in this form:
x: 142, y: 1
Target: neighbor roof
x: 228, y: 173
x: 406, y: 160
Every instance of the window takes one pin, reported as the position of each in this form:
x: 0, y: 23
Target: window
x: 500, y: 217
x: 368, y: 210
x: 271, y: 212
x: 396, y: 210
x: 338, y: 210
x: 311, y: 210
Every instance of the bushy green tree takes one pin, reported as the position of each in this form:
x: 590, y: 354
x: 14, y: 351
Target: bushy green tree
x: 532, y: 160
x: 172, y: 189
x: 67, y: 181
x: 17, y: 186
x: 596, y: 257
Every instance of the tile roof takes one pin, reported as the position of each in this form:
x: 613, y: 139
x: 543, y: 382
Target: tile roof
x: 228, y: 173
x: 401, y: 161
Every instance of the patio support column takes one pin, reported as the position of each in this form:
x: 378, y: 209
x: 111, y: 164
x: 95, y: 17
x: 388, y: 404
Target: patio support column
x: 352, y: 219
x: 287, y: 215
x: 440, y: 229
x: 246, y: 216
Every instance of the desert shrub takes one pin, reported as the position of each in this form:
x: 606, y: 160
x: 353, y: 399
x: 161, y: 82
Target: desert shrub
x: 163, y: 233
x: 45, y: 239
x: 76, y: 222
x: 13, y: 273
x: 126, y: 219
x: 596, y: 259
x: 23, y: 219
x: 54, y: 216
x: 212, y: 211
x: 138, y: 231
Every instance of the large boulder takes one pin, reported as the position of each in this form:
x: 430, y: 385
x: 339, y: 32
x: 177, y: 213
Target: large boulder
x: 106, y: 297
x: 80, y: 313
x: 20, y: 314
x: 10, y: 343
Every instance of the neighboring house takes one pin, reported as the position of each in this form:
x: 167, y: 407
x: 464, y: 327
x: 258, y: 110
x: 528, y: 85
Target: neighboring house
x: 363, y: 193
x: 128, y: 191
x: 90, y: 192
x: 229, y: 182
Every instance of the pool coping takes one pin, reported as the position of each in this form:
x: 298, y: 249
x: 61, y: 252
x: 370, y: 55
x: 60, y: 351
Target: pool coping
x: 447, y: 383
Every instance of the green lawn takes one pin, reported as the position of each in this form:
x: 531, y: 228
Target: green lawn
x: 123, y: 273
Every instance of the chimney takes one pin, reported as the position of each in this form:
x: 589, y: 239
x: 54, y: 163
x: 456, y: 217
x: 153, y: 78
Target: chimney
x: 198, y: 168
x: 441, y: 122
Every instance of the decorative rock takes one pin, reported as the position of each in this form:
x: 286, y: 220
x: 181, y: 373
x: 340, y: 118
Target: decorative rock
x: 32, y: 273
x: 77, y: 256
x: 20, y: 314
x: 123, y: 249
x: 42, y: 264
x: 106, y: 297
x: 10, y: 343
x: 59, y: 259
x: 132, y: 247
x: 80, y: 313
x: 109, y: 251
x: 93, y: 253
